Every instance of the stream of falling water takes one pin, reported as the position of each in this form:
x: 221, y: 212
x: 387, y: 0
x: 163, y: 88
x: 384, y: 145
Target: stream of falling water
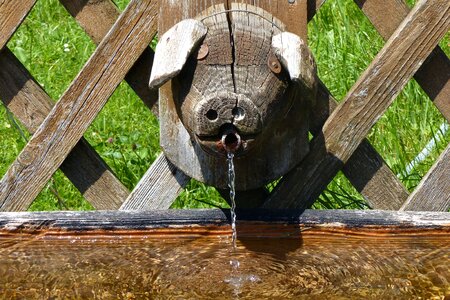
x: 231, y: 177
x: 237, y: 278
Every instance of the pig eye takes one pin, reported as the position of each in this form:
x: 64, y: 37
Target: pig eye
x: 212, y: 114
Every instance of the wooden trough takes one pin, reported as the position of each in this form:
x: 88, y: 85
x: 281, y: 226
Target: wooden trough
x: 142, y: 215
x: 339, y: 143
x: 339, y: 131
x: 189, y: 254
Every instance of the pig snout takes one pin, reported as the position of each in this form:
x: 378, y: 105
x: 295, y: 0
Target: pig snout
x: 212, y: 114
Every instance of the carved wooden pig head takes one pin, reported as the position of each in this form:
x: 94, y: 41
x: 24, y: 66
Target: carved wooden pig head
x: 240, y: 83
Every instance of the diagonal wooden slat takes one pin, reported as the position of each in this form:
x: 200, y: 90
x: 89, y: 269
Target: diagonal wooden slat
x: 365, y: 169
x: 434, y: 75
x: 85, y: 12
x: 156, y: 194
x: 433, y: 192
x: 12, y: 14
x: 396, y: 63
x: 84, y: 167
x: 158, y: 188
x: 97, y: 18
x: 79, y: 105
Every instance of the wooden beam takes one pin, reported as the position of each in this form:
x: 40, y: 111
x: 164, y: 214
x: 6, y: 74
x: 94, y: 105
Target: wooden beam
x: 158, y: 188
x: 83, y: 166
x: 87, y: 13
x: 365, y: 169
x: 433, y: 192
x: 97, y: 18
x: 368, y: 99
x: 206, y: 220
x: 374, y: 170
x: 79, y: 105
x: 12, y: 14
x: 434, y: 75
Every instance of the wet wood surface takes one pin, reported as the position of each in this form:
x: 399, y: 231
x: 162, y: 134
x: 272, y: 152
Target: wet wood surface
x: 350, y: 122
x: 79, y: 105
x: 252, y: 222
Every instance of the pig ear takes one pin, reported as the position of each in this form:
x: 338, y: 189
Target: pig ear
x: 173, y: 49
x: 296, y: 58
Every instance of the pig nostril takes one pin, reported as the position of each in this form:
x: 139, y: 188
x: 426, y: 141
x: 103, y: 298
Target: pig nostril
x: 238, y: 113
x: 212, y: 115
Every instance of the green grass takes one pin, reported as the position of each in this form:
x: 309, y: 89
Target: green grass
x: 54, y: 48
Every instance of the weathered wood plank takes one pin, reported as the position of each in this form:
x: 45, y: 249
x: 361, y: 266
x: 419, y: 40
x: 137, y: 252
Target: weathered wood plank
x: 111, y: 221
x: 297, y: 59
x: 86, y: 14
x: 173, y: 50
x: 12, y: 14
x: 365, y: 169
x: 433, y: 192
x: 372, y: 177
x: 84, y: 167
x: 434, y: 75
x: 158, y: 188
x: 79, y: 105
x: 96, y: 18
x: 402, y: 55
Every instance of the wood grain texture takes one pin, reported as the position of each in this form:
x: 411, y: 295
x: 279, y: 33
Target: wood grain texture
x: 79, y: 105
x: 433, y: 192
x: 366, y: 169
x: 158, y: 188
x: 97, y: 17
x: 293, y: 15
x: 296, y: 57
x: 402, y: 55
x: 87, y: 15
x: 84, y: 167
x: 434, y: 74
x: 173, y: 50
x: 112, y: 222
x: 12, y: 14
x: 225, y: 80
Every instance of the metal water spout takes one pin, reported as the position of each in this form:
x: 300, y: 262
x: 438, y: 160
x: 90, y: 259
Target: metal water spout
x: 231, y: 140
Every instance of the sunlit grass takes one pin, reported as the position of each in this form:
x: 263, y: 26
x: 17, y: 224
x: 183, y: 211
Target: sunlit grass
x: 54, y: 48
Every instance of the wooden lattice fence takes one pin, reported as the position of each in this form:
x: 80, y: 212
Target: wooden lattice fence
x: 123, y: 53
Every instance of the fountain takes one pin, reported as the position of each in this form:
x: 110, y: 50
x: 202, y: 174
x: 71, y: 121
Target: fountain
x: 236, y: 90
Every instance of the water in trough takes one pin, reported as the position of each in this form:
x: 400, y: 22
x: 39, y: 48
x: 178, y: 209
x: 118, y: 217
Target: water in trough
x: 316, y: 266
